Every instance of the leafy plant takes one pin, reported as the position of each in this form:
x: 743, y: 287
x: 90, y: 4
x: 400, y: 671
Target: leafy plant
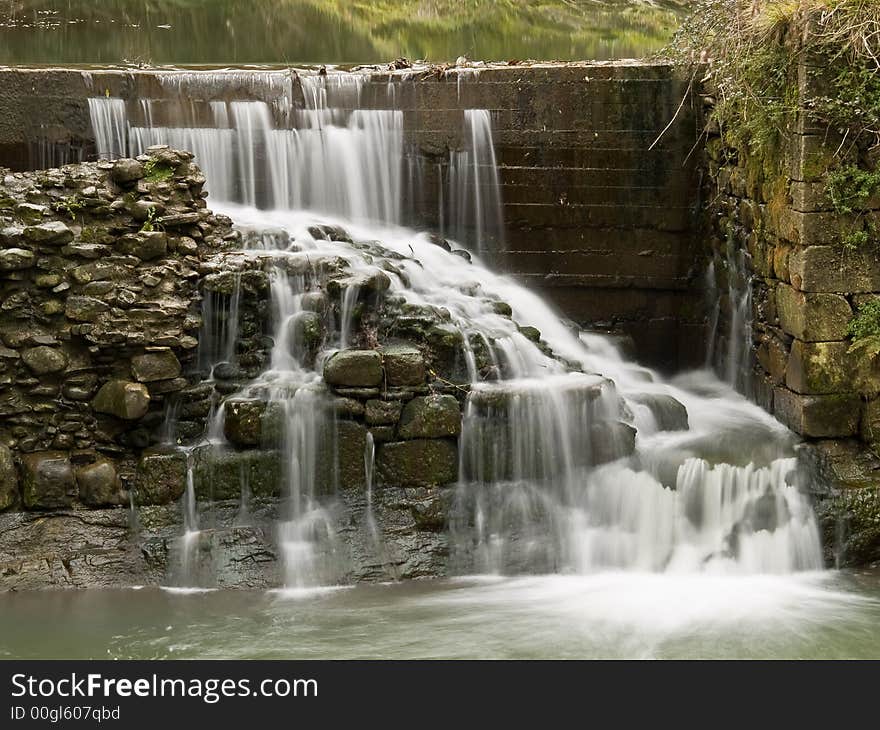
x: 156, y: 171
x: 864, y: 329
x: 71, y: 206
x: 150, y: 224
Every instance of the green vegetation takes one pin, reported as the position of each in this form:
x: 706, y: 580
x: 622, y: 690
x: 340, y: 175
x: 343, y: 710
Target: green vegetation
x: 156, y: 171
x: 864, y: 329
x: 150, y: 223
x: 850, y: 188
x: 754, y: 50
x: 331, y: 31
x: 71, y: 206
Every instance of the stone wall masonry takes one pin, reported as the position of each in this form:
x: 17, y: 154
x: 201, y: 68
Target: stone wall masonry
x: 593, y: 213
x: 777, y: 229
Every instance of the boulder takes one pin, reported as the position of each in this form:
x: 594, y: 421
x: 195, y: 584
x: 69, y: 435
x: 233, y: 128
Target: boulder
x: 123, y: 399
x: 44, y: 360
x: 8, y: 479
x: 417, y: 463
x: 48, y: 481
x: 243, y: 422
x: 305, y: 335
x: 432, y: 416
x: 381, y: 412
x: 155, y: 364
x: 16, y: 259
x: 84, y: 309
x: 160, y: 477
x: 99, y: 484
x: 354, y: 368
x: 669, y: 413
x: 146, y: 245
x: 53, y: 233
x: 404, y: 365
x: 126, y: 172
x: 611, y: 441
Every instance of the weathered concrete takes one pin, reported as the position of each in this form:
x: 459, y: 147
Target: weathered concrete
x: 598, y: 217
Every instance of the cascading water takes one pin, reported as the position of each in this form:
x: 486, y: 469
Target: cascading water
x: 474, y: 198
x: 572, y: 459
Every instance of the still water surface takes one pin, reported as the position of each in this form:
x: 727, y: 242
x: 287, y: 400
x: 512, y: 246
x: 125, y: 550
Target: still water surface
x: 191, y: 32
x: 827, y: 615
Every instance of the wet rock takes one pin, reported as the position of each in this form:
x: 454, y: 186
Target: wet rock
x: 348, y: 408
x: 417, y: 463
x: 315, y: 302
x: 8, y: 479
x: 31, y: 212
x: 48, y: 481
x: 223, y: 473
x: 44, y: 360
x: 160, y: 477
x: 16, y: 259
x: 404, y: 365
x: 80, y: 387
x: 611, y: 441
x: 382, y: 434
x: 669, y: 413
x: 126, y: 172
x: 243, y: 422
x: 429, y: 515
x: 84, y: 309
x: 146, y: 245
x: 306, y: 334
x: 362, y: 393
x: 380, y: 412
x: 99, y: 484
x: 227, y: 371
x: 123, y: 399
x: 531, y: 333
x: 432, y: 416
x: 351, y: 444
x: 766, y: 513
x: 53, y: 233
x: 354, y: 368
x: 11, y: 236
x: 156, y: 364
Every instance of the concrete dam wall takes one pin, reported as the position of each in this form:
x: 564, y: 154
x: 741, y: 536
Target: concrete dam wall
x: 594, y: 216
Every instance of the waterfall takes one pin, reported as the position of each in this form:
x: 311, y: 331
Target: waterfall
x: 738, y: 361
x: 474, y: 189
x: 572, y: 459
x: 110, y: 124
x: 309, y: 146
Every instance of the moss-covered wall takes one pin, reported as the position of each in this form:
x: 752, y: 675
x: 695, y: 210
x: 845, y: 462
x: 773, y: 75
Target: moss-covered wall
x: 791, y: 269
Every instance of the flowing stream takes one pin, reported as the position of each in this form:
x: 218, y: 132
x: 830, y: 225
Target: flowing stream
x: 703, y: 520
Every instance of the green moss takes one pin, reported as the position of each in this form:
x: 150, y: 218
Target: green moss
x: 850, y: 188
x: 864, y: 329
x: 156, y: 171
x: 71, y: 206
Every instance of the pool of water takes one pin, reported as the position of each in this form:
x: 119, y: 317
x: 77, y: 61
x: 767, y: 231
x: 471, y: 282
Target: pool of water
x: 192, y: 32
x: 827, y: 615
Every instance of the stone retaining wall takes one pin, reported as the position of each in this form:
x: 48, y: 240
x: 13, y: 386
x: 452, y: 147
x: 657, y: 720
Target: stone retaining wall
x: 773, y: 227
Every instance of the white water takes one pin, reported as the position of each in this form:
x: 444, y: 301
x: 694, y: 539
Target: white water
x: 314, y: 147
x: 719, y: 497
x: 547, y: 483
x: 474, y: 188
